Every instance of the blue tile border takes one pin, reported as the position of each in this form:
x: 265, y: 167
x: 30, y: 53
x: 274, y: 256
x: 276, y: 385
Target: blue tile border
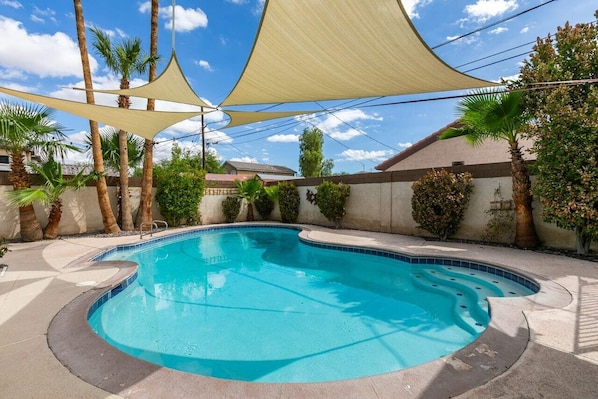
x: 415, y: 260
x: 111, y: 293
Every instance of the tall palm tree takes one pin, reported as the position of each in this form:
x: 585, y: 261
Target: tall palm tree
x: 49, y: 194
x: 110, y: 225
x: 124, y: 59
x: 25, y: 128
x: 499, y: 116
x: 109, y: 140
x: 144, y: 214
x: 249, y: 190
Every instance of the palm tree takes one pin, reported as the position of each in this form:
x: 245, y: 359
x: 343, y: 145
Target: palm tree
x: 25, y: 128
x: 499, y: 116
x: 109, y: 140
x: 110, y: 225
x: 124, y: 59
x: 144, y: 214
x: 55, y: 185
x: 249, y: 190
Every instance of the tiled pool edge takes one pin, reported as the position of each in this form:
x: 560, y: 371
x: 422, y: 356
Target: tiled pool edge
x: 451, y: 375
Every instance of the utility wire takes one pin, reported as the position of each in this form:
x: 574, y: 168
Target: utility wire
x: 493, y: 24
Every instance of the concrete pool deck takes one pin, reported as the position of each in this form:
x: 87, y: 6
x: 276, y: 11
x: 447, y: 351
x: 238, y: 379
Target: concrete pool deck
x: 544, y: 346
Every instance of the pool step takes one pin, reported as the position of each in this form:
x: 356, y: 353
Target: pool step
x: 469, y: 304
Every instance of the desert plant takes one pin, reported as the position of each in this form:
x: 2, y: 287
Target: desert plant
x: 288, y: 201
x: 439, y: 201
x: 264, y: 205
x: 332, y: 200
x: 249, y: 190
x: 231, y: 206
x: 179, y: 190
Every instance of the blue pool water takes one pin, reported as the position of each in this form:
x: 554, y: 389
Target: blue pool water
x: 257, y: 304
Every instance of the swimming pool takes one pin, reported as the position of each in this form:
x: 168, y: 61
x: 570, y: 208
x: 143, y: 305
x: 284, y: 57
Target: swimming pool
x: 259, y: 304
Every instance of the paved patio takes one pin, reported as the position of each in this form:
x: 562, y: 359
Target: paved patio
x: 543, y: 346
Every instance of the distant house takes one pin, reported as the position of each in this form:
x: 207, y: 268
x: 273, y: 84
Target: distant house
x: 431, y: 152
x: 252, y: 169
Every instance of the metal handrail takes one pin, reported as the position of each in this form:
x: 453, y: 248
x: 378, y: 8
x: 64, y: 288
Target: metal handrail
x: 152, y: 225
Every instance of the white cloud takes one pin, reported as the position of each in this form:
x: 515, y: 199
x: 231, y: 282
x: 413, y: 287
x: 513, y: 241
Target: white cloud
x: 284, y: 138
x: 37, y: 19
x: 237, y: 1
x: 483, y: 10
x: 13, y: 4
x: 244, y: 159
x: 411, y: 6
x: 498, y: 30
x: 204, y: 64
x: 508, y: 78
x: 30, y: 52
x: 347, y: 135
x: 524, y: 30
x: 186, y: 19
x: 362, y: 155
x: 405, y: 145
x: 466, y: 41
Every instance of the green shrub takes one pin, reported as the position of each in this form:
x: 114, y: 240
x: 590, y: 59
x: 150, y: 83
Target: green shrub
x: 264, y: 205
x: 180, y: 188
x: 332, y: 200
x: 439, y: 201
x: 231, y: 206
x: 288, y: 200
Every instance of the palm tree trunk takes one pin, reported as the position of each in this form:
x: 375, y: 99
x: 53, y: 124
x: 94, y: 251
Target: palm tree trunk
x: 51, y: 230
x: 144, y: 215
x: 110, y: 225
x: 30, y: 228
x: 125, y: 199
x: 250, y: 217
x: 525, y: 231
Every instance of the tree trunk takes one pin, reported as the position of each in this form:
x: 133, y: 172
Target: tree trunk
x: 125, y: 199
x: 250, y: 217
x: 108, y: 218
x: 525, y: 231
x: 144, y: 215
x: 51, y: 230
x: 582, y: 240
x: 30, y: 228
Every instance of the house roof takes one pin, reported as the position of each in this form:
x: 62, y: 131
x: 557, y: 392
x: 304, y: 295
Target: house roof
x: 259, y: 167
x: 423, y: 143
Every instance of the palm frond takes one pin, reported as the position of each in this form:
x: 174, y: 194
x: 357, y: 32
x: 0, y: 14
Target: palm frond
x: 28, y: 196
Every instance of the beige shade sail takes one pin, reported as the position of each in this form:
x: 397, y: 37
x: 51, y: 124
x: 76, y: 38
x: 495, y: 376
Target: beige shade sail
x: 140, y: 122
x: 238, y: 118
x: 309, y: 50
x: 171, y: 85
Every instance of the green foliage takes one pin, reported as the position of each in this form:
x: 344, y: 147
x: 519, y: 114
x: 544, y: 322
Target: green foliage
x: 289, y: 201
x: 332, y: 200
x: 273, y: 192
x: 231, y: 206
x: 180, y: 188
x: 3, y: 248
x: 311, y: 157
x: 439, y: 201
x: 111, y: 151
x: 499, y: 227
x: 264, y: 205
x: 249, y: 190
x: 566, y: 131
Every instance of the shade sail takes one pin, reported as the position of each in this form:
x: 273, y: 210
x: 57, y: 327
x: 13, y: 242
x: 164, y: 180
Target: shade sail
x: 238, y: 118
x: 171, y: 85
x: 140, y: 122
x: 309, y: 50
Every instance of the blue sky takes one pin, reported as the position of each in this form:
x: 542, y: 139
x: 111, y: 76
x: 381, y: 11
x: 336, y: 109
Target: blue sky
x: 213, y: 39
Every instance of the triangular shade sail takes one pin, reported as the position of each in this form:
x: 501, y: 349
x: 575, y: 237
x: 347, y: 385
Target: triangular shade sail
x: 310, y: 50
x: 238, y: 118
x: 171, y: 85
x: 140, y: 122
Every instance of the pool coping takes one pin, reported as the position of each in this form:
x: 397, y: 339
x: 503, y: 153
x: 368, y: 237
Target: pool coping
x: 96, y: 362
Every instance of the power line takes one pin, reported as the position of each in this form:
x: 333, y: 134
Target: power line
x: 492, y: 24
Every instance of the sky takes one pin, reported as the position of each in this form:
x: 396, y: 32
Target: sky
x: 213, y: 39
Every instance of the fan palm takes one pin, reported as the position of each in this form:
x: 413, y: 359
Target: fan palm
x: 49, y: 194
x: 125, y: 59
x: 25, y: 128
x: 109, y: 140
x: 249, y: 190
x: 499, y: 116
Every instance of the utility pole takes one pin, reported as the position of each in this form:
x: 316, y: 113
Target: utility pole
x: 203, y: 142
